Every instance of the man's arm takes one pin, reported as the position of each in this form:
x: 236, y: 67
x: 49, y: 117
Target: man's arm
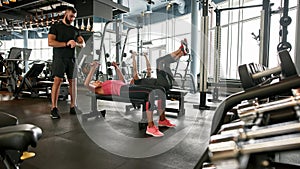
x: 54, y: 43
x: 80, y: 42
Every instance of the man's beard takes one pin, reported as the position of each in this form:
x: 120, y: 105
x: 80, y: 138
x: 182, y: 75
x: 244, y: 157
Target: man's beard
x: 67, y: 21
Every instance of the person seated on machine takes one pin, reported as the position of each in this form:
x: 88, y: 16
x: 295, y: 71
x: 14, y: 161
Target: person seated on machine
x: 164, y: 74
x: 120, y: 88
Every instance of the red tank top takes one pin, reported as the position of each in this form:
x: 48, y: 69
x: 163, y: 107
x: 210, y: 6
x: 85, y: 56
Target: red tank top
x: 112, y: 87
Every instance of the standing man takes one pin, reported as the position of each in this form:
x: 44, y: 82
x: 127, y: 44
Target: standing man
x: 64, y: 37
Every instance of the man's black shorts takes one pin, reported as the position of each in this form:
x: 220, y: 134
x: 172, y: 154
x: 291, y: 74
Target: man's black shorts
x: 64, y: 65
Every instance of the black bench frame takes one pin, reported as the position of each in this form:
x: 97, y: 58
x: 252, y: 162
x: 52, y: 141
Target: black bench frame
x: 172, y: 95
x: 96, y: 113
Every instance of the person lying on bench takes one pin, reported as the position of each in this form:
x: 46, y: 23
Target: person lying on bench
x: 164, y: 75
x: 120, y: 88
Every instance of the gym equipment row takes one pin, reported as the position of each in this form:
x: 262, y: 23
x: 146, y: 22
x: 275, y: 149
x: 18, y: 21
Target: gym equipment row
x: 32, y: 82
x: 11, y: 72
x: 252, y: 127
x: 260, y: 91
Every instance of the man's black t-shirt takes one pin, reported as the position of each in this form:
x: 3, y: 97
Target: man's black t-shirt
x: 64, y: 33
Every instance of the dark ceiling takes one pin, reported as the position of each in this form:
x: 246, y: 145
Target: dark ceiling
x: 25, y: 11
x: 40, y: 13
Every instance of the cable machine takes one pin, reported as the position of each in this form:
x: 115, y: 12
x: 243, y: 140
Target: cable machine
x: 264, y: 48
x: 106, y: 55
x: 217, y: 54
x: 204, y: 54
x: 285, y: 21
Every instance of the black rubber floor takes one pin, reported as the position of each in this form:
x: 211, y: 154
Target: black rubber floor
x: 111, y: 143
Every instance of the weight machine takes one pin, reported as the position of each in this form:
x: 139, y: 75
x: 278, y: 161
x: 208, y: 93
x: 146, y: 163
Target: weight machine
x: 217, y: 53
x: 11, y: 65
x: 264, y: 43
x: 181, y: 79
x: 102, y: 52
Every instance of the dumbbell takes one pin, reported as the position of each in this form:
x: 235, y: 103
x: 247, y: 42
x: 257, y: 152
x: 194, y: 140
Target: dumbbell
x: 272, y: 112
x: 244, y: 133
x: 109, y: 71
x: 253, y: 75
x: 110, y: 64
x: 234, y: 149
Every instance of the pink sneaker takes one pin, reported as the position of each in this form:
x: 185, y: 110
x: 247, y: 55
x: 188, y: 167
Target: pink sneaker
x: 153, y: 131
x: 165, y: 123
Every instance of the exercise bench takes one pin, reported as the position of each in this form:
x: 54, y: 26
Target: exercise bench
x: 96, y: 113
x: 172, y: 95
x: 176, y: 94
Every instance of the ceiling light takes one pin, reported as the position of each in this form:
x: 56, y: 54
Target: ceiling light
x: 88, y: 26
x: 6, y: 2
x: 24, y: 25
x: 5, y: 22
x: 76, y: 24
x: 169, y: 5
x: 149, y: 9
x: 82, y: 27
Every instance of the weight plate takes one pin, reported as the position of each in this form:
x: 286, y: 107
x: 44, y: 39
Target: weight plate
x: 287, y: 65
x: 285, y: 21
x: 245, y: 77
x: 284, y: 46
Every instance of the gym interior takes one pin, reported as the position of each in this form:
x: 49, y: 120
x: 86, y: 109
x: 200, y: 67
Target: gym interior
x: 233, y: 97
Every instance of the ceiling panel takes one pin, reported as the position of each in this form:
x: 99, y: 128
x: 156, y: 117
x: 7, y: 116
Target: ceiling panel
x: 36, y: 12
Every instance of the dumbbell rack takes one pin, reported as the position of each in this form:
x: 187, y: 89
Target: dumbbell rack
x: 263, y: 131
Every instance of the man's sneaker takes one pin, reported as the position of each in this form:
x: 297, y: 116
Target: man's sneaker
x: 153, y: 131
x: 73, y: 110
x: 165, y: 123
x: 54, y: 113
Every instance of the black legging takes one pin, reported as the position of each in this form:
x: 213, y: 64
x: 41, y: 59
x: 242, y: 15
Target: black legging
x: 162, y: 80
x: 163, y: 63
x: 141, y: 92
